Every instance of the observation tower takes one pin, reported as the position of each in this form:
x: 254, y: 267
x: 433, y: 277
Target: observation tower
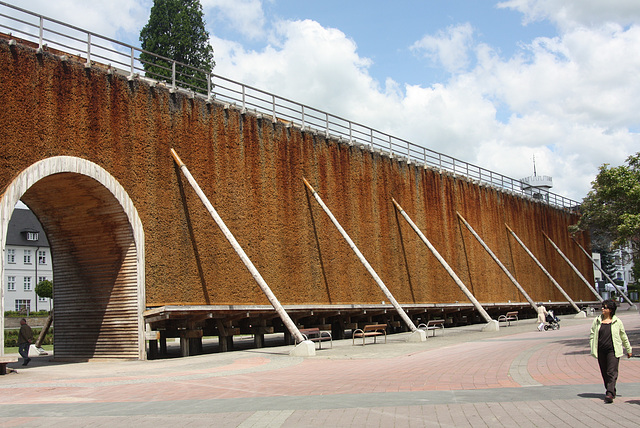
x: 537, y: 186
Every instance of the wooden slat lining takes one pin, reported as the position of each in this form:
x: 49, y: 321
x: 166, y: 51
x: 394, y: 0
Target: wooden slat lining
x: 97, y: 286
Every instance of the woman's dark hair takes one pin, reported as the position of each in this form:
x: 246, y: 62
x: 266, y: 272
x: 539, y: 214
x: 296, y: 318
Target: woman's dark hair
x: 611, y: 305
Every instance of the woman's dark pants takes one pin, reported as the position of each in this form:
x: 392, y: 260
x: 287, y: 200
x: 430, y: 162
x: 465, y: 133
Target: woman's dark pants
x: 609, y: 369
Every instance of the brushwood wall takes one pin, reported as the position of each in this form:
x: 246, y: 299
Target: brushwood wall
x: 251, y: 169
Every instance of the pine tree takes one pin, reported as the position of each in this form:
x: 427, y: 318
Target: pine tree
x: 176, y: 31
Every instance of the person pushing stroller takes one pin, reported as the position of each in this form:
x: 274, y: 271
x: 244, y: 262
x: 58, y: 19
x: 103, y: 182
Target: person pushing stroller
x: 542, y: 316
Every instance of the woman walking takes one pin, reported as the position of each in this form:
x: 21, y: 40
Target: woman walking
x: 607, y: 339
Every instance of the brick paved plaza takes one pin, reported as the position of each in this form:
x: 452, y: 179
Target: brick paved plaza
x: 515, y: 377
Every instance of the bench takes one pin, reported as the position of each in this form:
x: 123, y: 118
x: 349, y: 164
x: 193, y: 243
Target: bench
x: 432, y: 325
x: 372, y: 330
x: 316, y: 335
x: 591, y: 310
x: 509, y: 317
x: 3, y: 363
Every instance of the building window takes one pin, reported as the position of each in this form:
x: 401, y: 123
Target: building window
x: 41, y: 278
x: 42, y: 299
x: 32, y: 236
x: 23, y: 305
x: 27, y: 283
x: 27, y: 257
x: 42, y: 257
x: 11, y: 283
x: 11, y: 255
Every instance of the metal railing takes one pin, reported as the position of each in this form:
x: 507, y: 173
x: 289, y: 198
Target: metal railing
x: 49, y: 33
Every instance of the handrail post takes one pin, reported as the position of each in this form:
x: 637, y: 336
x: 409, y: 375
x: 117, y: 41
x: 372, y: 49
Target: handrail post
x: 173, y: 75
x: 371, y: 140
x: 88, y: 49
x: 302, y: 111
x: 209, y: 77
x: 326, y: 117
x: 132, y: 60
x: 41, y: 36
x: 273, y: 106
x: 244, y: 101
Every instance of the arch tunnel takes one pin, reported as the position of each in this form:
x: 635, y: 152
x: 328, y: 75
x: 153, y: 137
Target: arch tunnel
x: 97, y: 246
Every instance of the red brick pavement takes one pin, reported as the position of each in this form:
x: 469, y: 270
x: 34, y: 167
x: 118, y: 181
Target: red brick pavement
x: 557, y: 358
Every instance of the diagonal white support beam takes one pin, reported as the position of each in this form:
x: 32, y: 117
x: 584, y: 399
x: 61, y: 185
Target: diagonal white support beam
x: 288, y: 322
x: 444, y: 264
x: 566, y: 259
x: 546, y: 272
x: 499, y: 263
x: 364, y: 261
x: 604, y: 273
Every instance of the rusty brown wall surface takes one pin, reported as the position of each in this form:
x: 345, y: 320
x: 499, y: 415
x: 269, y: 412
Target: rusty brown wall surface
x: 251, y: 169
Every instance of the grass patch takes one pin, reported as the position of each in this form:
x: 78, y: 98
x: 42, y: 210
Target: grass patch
x: 14, y: 349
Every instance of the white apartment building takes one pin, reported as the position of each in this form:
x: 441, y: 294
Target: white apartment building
x: 623, y: 261
x: 28, y: 261
x: 597, y: 274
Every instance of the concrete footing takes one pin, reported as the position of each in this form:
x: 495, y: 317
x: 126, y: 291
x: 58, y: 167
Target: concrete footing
x: 492, y: 325
x: 581, y: 314
x: 306, y: 348
x: 417, y: 336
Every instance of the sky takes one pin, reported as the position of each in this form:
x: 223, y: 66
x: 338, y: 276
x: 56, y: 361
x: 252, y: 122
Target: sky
x: 492, y: 83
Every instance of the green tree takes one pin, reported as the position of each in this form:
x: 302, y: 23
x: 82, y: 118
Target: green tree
x: 44, y: 288
x: 176, y: 31
x: 611, y: 210
x: 612, y: 207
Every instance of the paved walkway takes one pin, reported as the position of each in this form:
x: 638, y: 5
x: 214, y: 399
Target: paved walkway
x: 464, y: 378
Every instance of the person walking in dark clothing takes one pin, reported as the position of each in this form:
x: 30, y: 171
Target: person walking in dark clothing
x: 607, y: 339
x: 25, y: 337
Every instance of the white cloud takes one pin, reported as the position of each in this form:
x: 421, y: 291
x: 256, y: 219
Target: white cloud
x: 572, y: 13
x: 305, y: 62
x: 571, y: 99
x: 245, y: 16
x: 114, y: 18
x: 448, y: 48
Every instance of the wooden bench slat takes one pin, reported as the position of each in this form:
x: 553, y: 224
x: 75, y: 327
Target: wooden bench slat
x: 3, y: 363
x: 372, y: 330
x: 509, y: 317
x: 432, y: 325
x: 316, y: 335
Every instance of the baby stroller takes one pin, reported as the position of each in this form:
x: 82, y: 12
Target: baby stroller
x: 553, y: 322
